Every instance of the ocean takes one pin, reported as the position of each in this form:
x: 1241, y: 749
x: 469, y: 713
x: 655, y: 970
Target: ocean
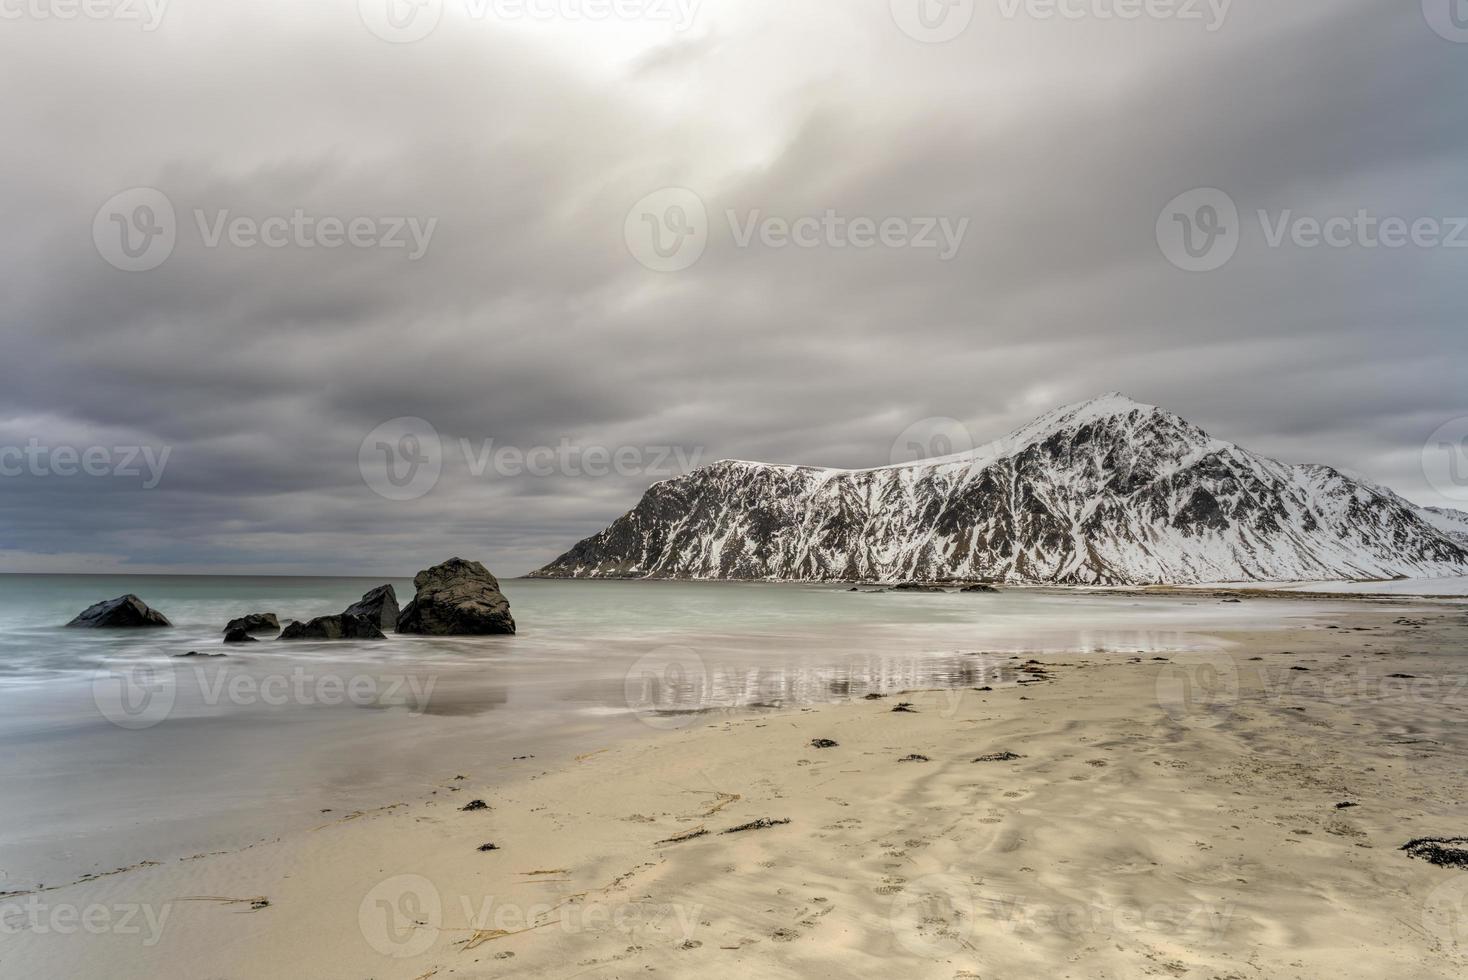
x: 114, y: 749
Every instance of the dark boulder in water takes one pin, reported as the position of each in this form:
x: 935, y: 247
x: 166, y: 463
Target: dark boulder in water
x: 457, y: 598
x: 379, y: 606
x: 254, y: 623
x: 342, y: 627
x: 917, y: 587
x: 239, y: 635
x: 124, y: 612
x: 979, y: 588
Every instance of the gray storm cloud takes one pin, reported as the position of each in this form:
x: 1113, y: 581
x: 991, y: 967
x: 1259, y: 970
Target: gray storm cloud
x: 527, y: 320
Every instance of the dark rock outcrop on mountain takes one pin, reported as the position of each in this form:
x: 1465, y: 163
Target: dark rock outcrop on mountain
x: 457, y: 598
x: 124, y: 612
x: 1108, y: 491
x: 255, y: 623
x: 341, y: 627
x: 379, y: 605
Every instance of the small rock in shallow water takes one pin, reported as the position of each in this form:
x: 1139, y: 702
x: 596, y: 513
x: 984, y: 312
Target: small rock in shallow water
x: 342, y: 627
x: 124, y: 612
x: 255, y: 623
x: 379, y: 606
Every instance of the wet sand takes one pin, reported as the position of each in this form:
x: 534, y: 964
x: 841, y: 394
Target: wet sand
x: 1175, y: 817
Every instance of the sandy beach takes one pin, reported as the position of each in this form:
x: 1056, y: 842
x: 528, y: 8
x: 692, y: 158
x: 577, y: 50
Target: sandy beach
x: 1237, y: 813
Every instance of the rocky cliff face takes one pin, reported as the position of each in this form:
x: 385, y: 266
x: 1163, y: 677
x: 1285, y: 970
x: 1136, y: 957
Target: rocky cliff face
x: 1108, y: 491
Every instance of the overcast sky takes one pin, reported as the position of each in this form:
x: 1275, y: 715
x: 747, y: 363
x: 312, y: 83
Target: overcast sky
x: 535, y: 309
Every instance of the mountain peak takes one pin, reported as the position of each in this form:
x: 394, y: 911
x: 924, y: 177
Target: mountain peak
x: 1109, y: 403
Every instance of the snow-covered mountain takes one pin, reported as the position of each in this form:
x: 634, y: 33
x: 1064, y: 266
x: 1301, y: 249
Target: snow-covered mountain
x: 1106, y: 491
x: 1453, y: 523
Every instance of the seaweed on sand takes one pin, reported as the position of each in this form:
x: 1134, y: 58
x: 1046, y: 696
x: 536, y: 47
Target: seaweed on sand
x: 763, y: 823
x: 1445, y: 852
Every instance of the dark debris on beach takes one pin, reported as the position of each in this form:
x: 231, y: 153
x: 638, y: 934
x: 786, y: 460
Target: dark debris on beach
x: 1445, y: 852
x: 763, y: 823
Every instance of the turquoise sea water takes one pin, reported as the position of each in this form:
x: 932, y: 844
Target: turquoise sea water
x: 114, y: 750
